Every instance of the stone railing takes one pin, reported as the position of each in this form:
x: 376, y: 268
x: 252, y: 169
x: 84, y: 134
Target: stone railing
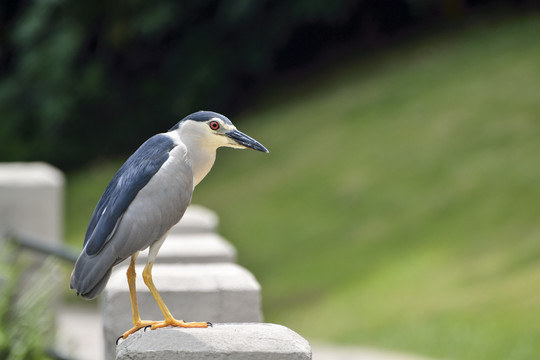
x: 195, y: 272
x: 31, y: 201
x: 197, y: 276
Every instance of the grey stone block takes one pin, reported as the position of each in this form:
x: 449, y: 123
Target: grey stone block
x: 31, y: 206
x: 193, y: 248
x: 222, y: 341
x: 221, y: 292
x: 31, y: 201
x: 196, y: 219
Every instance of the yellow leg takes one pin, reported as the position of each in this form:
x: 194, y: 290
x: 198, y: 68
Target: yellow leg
x: 169, y: 319
x: 131, y: 276
x: 137, y: 322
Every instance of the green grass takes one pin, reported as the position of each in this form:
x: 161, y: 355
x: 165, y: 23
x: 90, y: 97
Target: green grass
x: 399, y: 204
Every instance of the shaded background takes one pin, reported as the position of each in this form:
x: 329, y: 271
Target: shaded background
x: 87, y: 79
x: 398, y: 207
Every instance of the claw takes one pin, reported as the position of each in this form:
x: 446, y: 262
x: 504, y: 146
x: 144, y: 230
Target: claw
x: 209, y: 324
x: 144, y: 324
x: 120, y: 337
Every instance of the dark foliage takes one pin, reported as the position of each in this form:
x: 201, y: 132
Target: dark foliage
x: 83, y: 79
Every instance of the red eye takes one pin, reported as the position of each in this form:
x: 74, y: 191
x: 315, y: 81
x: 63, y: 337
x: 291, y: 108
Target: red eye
x: 214, y: 125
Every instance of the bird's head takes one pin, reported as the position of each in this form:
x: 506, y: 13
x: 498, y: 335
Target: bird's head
x: 212, y: 130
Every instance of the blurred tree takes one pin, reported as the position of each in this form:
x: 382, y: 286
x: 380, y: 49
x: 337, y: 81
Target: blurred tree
x: 83, y: 79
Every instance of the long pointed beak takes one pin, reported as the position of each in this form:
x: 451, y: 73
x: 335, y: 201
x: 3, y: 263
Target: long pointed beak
x: 242, y: 139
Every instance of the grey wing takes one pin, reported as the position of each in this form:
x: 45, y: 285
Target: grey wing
x: 156, y: 208
x: 147, y: 196
x: 125, y: 185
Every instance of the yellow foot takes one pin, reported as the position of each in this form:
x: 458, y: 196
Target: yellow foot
x: 159, y: 324
x: 141, y: 324
x: 179, y: 323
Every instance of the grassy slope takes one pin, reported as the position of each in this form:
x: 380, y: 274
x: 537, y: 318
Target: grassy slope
x: 399, y: 204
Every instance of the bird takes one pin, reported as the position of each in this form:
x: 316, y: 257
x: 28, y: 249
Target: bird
x: 145, y: 198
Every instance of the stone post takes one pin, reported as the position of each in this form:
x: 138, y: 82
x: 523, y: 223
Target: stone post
x: 215, y: 292
x: 31, y: 201
x: 220, y: 342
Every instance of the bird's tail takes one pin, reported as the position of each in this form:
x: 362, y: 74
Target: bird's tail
x: 91, y: 273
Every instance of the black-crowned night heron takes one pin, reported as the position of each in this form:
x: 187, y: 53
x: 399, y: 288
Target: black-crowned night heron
x: 145, y: 198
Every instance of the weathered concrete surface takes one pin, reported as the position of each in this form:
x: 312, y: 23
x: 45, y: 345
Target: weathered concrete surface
x: 221, y: 292
x: 31, y: 201
x: 204, y: 247
x: 196, y: 219
x: 222, y: 341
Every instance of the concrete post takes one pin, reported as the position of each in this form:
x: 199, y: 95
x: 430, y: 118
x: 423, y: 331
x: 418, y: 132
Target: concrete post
x: 222, y: 341
x: 185, y: 248
x: 220, y: 292
x: 31, y: 201
x: 195, y: 220
x: 31, y: 205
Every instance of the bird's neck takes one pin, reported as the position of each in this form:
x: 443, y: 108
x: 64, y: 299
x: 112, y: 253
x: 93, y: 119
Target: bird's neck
x: 200, y: 154
x: 202, y: 160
